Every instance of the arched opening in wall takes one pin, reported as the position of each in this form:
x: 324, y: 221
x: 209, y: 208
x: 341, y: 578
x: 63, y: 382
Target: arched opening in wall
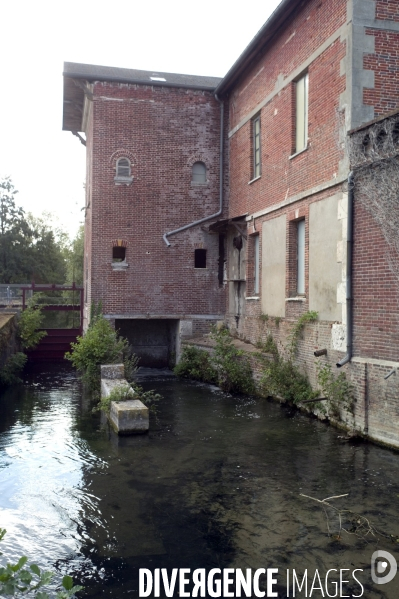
x: 380, y: 139
x: 366, y: 145
x: 200, y: 259
x: 198, y: 174
x: 123, y: 167
x: 118, y: 254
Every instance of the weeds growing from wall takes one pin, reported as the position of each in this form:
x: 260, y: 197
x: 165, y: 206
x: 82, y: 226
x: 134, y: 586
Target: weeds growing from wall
x: 196, y: 364
x: 232, y: 365
x: 338, y: 389
x: 281, y: 377
x: 226, y: 366
x: 28, y: 337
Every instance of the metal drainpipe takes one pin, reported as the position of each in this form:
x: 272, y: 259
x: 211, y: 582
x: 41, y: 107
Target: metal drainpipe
x: 349, y: 248
x: 219, y: 212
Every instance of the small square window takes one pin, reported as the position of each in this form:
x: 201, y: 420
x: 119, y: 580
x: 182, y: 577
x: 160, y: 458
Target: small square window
x: 118, y: 254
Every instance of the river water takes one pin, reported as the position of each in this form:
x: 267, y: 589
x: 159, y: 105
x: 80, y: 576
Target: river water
x: 216, y: 483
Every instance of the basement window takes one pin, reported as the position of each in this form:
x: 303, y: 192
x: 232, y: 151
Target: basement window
x: 200, y: 259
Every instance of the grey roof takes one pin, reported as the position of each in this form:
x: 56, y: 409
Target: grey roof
x: 91, y: 72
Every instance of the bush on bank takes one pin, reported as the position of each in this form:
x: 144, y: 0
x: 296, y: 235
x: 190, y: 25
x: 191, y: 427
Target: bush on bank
x: 226, y: 366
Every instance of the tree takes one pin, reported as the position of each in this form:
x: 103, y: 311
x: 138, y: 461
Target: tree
x: 30, y: 248
x: 74, y: 258
x: 14, y: 236
x: 46, y: 261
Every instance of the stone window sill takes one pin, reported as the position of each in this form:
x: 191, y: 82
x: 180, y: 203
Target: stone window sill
x: 300, y: 298
x: 297, y: 153
x: 123, y: 180
x: 199, y: 184
x: 119, y: 265
x: 253, y: 298
x: 253, y: 180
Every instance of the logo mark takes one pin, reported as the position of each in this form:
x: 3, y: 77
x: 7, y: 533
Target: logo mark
x: 379, y: 564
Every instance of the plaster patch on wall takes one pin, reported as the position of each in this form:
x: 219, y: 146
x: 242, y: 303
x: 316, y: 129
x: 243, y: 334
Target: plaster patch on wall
x: 186, y: 328
x: 338, y: 337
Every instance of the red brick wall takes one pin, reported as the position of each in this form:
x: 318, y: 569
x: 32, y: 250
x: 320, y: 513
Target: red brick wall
x: 385, y: 64
x: 164, y: 131
x: 282, y: 177
x: 387, y: 10
x: 375, y: 291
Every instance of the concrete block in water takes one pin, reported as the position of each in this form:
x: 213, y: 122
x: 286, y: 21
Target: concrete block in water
x: 130, y: 416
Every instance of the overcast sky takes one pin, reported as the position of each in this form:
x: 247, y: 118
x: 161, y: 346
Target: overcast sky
x: 47, y: 165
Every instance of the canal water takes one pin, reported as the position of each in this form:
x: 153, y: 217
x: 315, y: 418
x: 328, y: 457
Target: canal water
x: 216, y: 483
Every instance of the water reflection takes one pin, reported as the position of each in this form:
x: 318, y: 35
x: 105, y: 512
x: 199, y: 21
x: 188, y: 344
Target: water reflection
x: 216, y: 483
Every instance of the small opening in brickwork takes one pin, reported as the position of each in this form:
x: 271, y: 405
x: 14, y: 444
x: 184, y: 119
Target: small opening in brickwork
x: 118, y: 254
x: 381, y: 137
x: 395, y: 135
x: 366, y: 145
x: 123, y: 167
x: 198, y: 173
x: 200, y: 259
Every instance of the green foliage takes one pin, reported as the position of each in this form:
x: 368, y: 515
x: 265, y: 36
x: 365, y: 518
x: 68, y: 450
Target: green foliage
x: 232, y: 365
x: 338, y: 389
x: 264, y: 317
x: 227, y: 366
x: 74, y: 258
x: 126, y: 392
x: 120, y: 393
x: 16, y: 580
x: 100, y: 345
x: 281, y: 377
x: 297, y: 330
x: 196, y: 364
x: 30, y: 321
x: 130, y: 363
x: 11, y: 369
x: 29, y: 247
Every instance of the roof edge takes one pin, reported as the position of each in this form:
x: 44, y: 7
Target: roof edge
x: 111, y: 79
x: 270, y: 27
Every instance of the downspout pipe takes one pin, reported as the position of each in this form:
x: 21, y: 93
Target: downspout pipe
x: 349, y: 251
x: 219, y: 212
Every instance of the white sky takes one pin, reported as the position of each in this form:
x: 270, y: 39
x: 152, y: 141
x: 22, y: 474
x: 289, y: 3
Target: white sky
x: 47, y: 165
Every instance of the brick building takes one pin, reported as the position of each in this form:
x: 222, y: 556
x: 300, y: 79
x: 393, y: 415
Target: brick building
x: 278, y: 242
x: 153, y: 169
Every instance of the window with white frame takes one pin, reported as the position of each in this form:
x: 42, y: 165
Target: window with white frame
x: 301, y: 113
x: 256, y: 264
x: 300, y: 279
x: 256, y: 147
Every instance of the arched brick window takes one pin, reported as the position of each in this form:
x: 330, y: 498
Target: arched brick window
x: 198, y: 173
